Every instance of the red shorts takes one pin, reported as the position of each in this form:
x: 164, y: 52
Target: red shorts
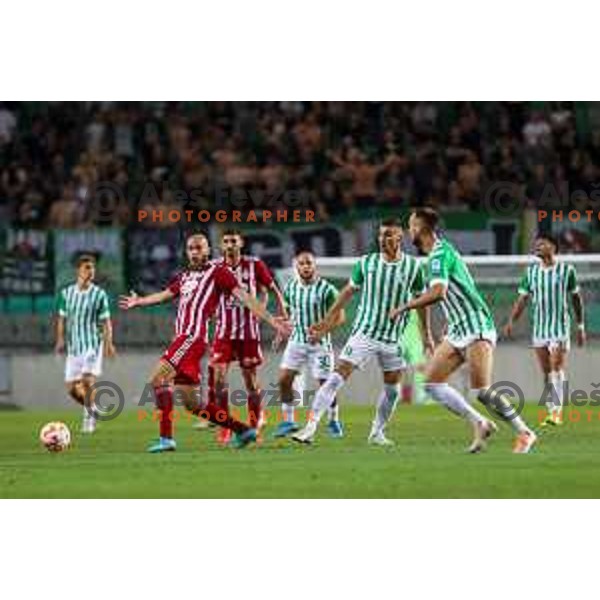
x: 184, y: 355
x: 247, y: 352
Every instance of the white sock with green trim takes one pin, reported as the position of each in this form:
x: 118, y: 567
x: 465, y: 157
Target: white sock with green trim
x: 453, y: 401
x: 326, y: 395
x: 557, y: 379
x: 388, y: 399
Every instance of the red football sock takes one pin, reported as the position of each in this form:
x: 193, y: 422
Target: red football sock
x: 215, y: 414
x: 222, y: 399
x: 254, y: 406
x: 212, y: 395
x: 164, y: 402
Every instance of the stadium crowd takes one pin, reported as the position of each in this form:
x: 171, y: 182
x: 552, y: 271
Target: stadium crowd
x: 341, y: 156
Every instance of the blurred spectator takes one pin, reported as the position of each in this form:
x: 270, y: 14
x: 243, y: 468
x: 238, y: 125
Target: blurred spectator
x: 593, y: 148
x: 537, y: 131
x: 8, y: 124
x: 67, y: 211
x: 342, y: 156
x: 469, y: 178
x: 30, y: 210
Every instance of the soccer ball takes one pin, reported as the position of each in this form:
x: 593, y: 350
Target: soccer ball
x: 55, y: 436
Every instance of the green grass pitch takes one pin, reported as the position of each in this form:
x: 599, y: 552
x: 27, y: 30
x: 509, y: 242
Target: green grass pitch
x: 427, y: 462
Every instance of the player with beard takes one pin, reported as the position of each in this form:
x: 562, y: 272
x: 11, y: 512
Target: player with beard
x: 199, y: 290
x: 308, y: 297
x: 237, y: 331
x: 471, y: 336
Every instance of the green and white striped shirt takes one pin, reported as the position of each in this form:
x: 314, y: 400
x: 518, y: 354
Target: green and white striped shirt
x: 465, y: 309
x: 384, y: 285
x: 83, y: 310
x: 549, y: 288
x: 308, y: 304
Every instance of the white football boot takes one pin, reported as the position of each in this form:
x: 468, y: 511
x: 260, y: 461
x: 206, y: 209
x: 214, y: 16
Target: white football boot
x: 306, y: 434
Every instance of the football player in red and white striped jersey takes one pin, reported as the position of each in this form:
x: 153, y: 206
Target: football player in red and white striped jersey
x: 199, y: 290
x: 237, y: 330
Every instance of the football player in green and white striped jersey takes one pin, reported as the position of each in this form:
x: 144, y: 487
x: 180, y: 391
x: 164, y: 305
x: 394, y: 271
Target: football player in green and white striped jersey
x: 385, y: 279
x: 548, y: 283
x: 308, y: 297
x: 471, y: 335
x: 84, y: 314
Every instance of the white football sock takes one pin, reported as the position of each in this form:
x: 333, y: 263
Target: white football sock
x: 287, y: 412
x: 501, y: 407
x: 299, y: 388
x: 562, y: 379
x: 326, y: 395
x: 385, y: 407
x: 453, y: 401
x: 557, y: 379
x: 288, y: 409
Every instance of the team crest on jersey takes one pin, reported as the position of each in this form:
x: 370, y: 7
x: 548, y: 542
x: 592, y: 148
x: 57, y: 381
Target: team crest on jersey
x: 436, y: 266
x: 189, y: 286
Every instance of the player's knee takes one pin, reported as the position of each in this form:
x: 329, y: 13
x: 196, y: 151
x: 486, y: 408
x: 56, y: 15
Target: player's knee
x: 73, y: 389
x: 433, y: 378
x: 344, y: 368
x: 157, y: 380
x: 286, y: 381
x: 88, y: 381
x: 392, y: 378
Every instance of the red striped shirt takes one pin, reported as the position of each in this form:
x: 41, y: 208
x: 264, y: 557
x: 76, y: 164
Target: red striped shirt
x: 234, y: 320
x: 199, y: 293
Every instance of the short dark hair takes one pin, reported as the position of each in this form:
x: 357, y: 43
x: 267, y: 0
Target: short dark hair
x: 196, y: 234
x: 390, y: 222
x: 428, y: 215
x: 303, y: 251
x: 232, y: 231
x: 86, y: 257
x: 549, y: 238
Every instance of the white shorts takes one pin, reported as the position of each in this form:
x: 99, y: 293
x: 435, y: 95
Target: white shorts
x: 359, y: 349
x: 89, y: 363
x: 461, y: 343
x: 297, y: 357
x: 551, y: 343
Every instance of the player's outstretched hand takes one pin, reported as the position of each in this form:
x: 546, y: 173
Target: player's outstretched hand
x: 59, y: 347
x: 508, y: 329
x: 109, y: 350
x: 581, y: 338
x: 127, y: 302
x: 316, y: 332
